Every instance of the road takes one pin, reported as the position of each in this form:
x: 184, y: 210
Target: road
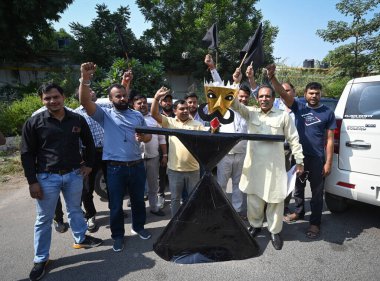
x: 348, y: 249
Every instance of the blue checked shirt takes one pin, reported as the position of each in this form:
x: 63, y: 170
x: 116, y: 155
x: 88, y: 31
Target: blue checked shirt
x: 96, y: 130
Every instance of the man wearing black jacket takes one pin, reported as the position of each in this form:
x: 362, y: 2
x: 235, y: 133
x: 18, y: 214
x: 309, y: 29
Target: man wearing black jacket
x: 52, y: 163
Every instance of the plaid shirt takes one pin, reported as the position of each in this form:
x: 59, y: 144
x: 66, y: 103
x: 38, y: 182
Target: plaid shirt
x: 96, y: 130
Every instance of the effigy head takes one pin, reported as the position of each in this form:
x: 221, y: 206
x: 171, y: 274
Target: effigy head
x: 219, y: 96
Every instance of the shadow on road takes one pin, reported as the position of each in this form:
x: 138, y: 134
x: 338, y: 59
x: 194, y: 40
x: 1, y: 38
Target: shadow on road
x: 336, y: 228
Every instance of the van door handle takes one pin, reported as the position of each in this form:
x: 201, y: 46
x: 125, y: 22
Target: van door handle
x: 359, y: 144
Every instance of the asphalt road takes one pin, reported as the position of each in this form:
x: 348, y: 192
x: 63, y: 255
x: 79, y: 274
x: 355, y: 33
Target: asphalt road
x: 348, y: 249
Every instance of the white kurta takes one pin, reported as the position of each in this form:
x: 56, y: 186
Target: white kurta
x: 264, y: 171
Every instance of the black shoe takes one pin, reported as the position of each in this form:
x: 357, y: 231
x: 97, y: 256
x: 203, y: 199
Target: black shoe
x: 277, y: 241
x: 159, y: 213
x: 254, y: 231
x: 88, y: 242
x: 118, y: 245
x: 38, y: 270
x: 60, y: 227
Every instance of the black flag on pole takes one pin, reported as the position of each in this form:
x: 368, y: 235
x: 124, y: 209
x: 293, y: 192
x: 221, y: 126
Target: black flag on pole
x: 211, y: 37
x: 254, y: 49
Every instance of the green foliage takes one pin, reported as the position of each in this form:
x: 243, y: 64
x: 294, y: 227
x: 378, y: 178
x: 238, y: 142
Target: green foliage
x: 178, y: 26
x: 360, y: 55
x: 67, y: 78
x: 332, y: 81
x: 13, y: 116
x: 99, y: 42
x: 25, y: 24
x: 10, y: 93
x: 147, y: 78
x: 334, y: 87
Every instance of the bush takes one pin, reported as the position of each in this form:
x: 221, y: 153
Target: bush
x: 13, y: 116
x: 336, y: 87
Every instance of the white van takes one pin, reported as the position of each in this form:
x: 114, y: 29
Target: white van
x: 355, y: 171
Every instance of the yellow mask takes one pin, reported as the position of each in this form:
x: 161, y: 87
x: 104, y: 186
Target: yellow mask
x: 219, y: 98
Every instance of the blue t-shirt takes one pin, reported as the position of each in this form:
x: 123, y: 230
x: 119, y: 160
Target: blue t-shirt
x: 119, y: 133
x: 312, y: 124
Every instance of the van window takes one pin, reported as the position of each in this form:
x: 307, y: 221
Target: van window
x: 363, y: 101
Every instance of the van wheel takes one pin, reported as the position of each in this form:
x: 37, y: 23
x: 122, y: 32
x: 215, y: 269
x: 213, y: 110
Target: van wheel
x: 100, y: 185
x: 335, y: 203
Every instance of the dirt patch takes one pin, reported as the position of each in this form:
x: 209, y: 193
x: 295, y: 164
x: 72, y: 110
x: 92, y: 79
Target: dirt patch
x: 12, y: 182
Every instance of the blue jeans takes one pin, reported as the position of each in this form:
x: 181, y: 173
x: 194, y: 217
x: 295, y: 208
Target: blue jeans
x: 118, y: 179
x: 71, y: 185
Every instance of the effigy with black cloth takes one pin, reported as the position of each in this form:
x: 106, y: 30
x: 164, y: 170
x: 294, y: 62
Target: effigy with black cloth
x: 207, y: 228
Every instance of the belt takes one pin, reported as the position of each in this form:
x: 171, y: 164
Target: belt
x: 128, y: 163
x: 59, y: 172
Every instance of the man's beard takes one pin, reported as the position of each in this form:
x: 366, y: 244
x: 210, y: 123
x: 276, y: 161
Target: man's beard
x: 168, y: 109
x: 120, y: 106
x: 209, y: 117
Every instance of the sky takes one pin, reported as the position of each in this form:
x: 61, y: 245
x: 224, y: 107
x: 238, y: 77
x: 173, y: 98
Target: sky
x: 297, y: 20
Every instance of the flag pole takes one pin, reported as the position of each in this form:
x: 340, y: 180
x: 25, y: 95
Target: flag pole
x: 242, y: 61
x: 216, y: 59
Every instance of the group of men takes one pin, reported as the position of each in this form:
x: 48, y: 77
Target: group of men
x: 53, y: 162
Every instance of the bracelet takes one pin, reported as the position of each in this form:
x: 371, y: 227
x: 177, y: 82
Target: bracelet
x: 164, y: 155
x: 88, y: 83
x: 157, y: 99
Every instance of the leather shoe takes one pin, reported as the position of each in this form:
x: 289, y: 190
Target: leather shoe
x: 277, y: 241
x: 254, y: 231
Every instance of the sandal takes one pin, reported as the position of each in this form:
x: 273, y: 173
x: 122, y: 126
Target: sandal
x: 313, y: 232
x: 293, y: 217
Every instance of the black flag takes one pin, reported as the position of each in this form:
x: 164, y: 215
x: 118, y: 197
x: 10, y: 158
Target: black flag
x: 211, y: 37
x: 254, y: 49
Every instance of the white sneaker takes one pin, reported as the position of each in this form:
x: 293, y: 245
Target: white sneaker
x: 91, y: 224
x: 161, y: 202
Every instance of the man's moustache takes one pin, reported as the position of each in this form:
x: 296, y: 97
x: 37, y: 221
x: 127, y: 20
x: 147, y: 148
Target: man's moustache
x: 209, y: 117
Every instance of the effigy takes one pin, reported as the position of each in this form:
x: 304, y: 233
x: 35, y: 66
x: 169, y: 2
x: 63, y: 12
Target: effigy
x: 206, y: 228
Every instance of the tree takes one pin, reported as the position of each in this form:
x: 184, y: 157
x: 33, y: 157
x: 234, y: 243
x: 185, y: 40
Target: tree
x: 147, y: 79
x: 178, y: 26
x: 361, y: 54
x: 24, y: 23
x: 99, y: 42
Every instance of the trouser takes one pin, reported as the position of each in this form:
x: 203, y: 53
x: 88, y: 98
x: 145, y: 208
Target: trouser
x: 118, y: 177
x: 151, y: 169
x: 163, y: 181
x: 231, y: 166
x: 89, y: 186
x: 179, y: 181
x: 314, y: 167
x: 71, y: 186
x: 256, y: 211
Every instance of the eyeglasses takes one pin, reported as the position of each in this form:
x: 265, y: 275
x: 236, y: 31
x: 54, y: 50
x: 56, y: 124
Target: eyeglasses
x: 304, y: 176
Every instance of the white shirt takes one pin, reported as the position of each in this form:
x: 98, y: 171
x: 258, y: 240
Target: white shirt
x: 150, y: 149
x: 239, y: 125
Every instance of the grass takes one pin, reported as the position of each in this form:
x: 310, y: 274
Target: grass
x: 9, y: 165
